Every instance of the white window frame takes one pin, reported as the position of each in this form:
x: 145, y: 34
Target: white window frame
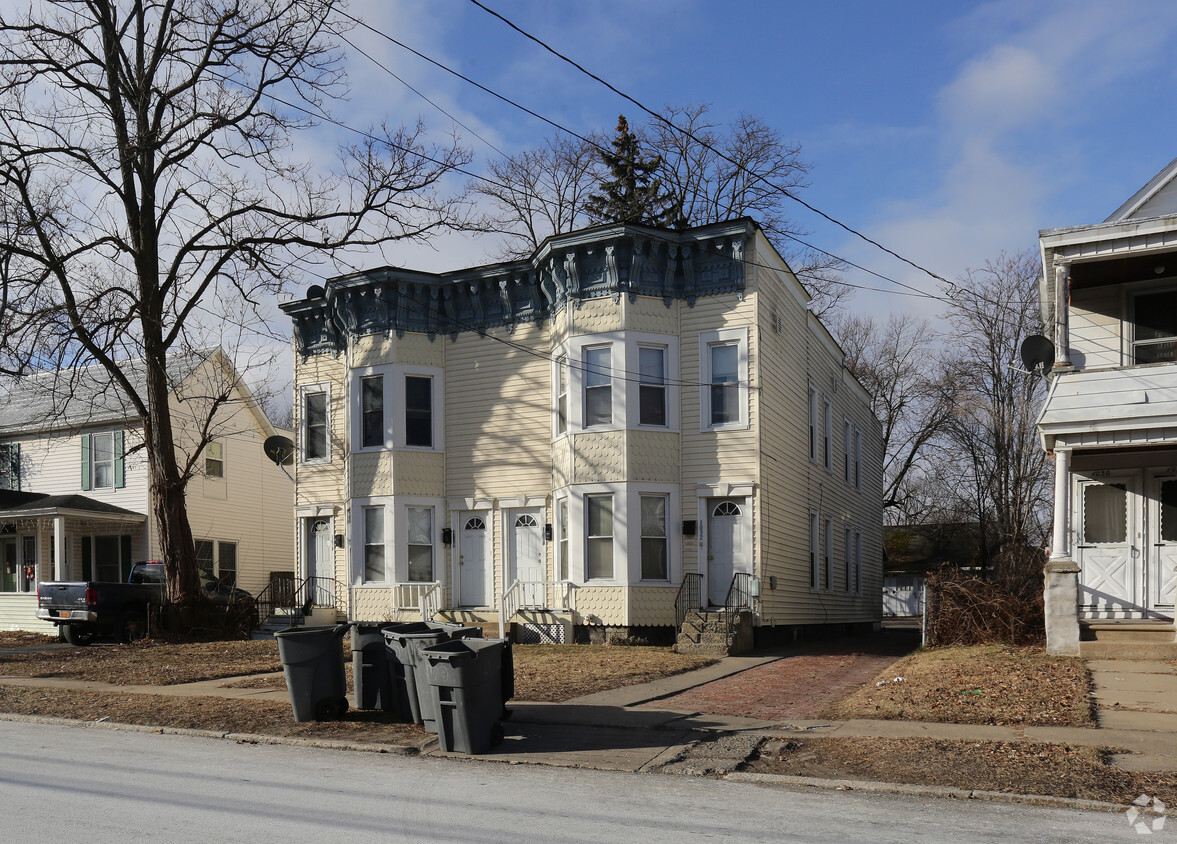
x: 611, y: 386
x: 813, y: 551
x: 625, y: 384
x: 812, y: 422
x: 95, y: 462
x: 402, y: 537
x: 827, y: 539
x: 828, y: 432
x: 858, y: 459
x: 612, y: 536
x: 634, y: 493
x: 848, y: 445
x: 561, y: 400
x: 359, y: 510
x: 303, y: 393
x: 236, y: 546
x: 721, y: 337
x: 858, y: 562
x: 849, y: 552
x: 563, y: 519
x: 219, y: 447
x: 356, y: 406
x: 664, y: 386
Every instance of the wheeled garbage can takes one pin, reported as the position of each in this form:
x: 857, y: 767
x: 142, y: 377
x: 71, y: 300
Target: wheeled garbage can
x: 406, y: 668
x: 312, y: 660
x: 371, y: 679
x: 465, y: 678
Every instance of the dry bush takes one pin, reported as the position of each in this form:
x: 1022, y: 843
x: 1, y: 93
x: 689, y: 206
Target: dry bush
x: 1005, y: 607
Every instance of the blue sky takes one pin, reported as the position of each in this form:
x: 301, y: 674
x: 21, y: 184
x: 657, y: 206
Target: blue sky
x: 947, y: 131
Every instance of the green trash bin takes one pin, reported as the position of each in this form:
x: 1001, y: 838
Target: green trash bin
x: 312, y: 660
x: 371, y: 681
x: 406, y: 668
x: 465, y: 679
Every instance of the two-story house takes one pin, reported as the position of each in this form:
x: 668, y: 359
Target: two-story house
x: 630, y: 420
x: 1109, y: 292
x: 74, y: 486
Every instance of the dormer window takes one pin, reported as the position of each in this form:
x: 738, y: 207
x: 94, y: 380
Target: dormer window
x: 1155, y: 335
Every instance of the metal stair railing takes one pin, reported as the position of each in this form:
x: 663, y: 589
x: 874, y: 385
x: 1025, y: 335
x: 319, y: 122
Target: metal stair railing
x: 687, y: 599
x: 739, y: 597
x: 430, y: 602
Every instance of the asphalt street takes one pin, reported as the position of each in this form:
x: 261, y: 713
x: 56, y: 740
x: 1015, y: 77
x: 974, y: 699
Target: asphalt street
x: 70, y: 783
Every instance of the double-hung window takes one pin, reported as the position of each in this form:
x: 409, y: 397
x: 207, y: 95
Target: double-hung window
x: 561, y: 395
x: 813, y: 582
x: 725, y: 383
x: 420, y: 543
x: 419, y: 411
x: 723, y: 365
x: 652, y: 386
x: 858, y: 460
x: 314, y: 425
x: 848, y: 443
x: 812, y: 423
x: 562, y: 567
x: 598, y: 386
x: 102, y: 461
x: 827, y: 435
x: 227, y: 563
x: 375, y: 556
x: 214, y: 459
x: 858, y: 562
x: 828, y: 549
x: 372, y: 411
x: 654, y: 545
x: 10, y: 466
x: 1155, y: 330
x: 849, y: 549
x: 598, y: 555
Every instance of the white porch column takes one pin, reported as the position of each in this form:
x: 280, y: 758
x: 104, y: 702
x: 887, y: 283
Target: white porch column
x: 59, y: 548
x: 1062, y: 350
x: 1060, y: 546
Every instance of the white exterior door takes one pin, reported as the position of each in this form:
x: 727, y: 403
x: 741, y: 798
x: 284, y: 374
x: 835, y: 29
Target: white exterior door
x: 1108, y: 553
x: 473, y: 541
x: 526, y: 554
x: 727, y: 545
x: 1162, y: 543
x: 320, y: 561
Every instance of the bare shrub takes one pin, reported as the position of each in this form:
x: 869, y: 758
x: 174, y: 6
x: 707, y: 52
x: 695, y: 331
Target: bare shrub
x: 1006, y: 607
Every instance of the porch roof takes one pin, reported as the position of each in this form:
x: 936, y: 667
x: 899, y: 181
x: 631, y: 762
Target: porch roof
x: 25, y: 505
x: 1101, y: 408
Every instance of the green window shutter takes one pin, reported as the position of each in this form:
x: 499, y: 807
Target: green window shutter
x: 87, y: 564
x: 120, y: 475
x: 85, y: 461
x: 15, y: 453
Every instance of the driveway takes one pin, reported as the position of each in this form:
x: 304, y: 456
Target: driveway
x: 798, y: 685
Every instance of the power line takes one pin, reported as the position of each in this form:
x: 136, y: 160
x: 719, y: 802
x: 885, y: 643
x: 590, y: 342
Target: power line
x: 696, y: 139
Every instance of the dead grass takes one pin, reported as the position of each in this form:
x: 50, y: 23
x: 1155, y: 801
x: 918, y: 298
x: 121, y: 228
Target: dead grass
x: 270, y: 718
x: 148, y: 663
x: 561, y: 672
x: 1023, y: 767
x: 982, y: 684
x: 23, y: 639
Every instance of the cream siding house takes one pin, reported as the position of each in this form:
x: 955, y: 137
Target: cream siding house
x: 74, y: 495
x: 562, y: 442
x: 1109, y: 294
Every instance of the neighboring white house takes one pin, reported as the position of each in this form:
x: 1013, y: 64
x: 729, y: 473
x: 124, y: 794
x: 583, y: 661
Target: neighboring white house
x: 1109, y: 291
x: 74, y: 494
x: 575, y: 441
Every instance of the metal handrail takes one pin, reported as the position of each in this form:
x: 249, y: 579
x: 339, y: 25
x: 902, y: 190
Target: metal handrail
x: 312, y: 592
x: 688, y: 598
x: 543, y: 595
x: 739, y: 596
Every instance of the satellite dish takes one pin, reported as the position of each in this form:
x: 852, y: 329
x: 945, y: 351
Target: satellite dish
x: 315, y: 292
x: 280, y: 449
x: 1037, y: 353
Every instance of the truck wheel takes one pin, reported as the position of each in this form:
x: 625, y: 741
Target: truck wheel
x: 77, y: 635
x: 132, y: 627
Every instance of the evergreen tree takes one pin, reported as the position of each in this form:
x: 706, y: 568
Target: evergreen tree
x: 634, y: 193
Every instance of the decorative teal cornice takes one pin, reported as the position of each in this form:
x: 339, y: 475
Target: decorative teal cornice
x: 613, y: 261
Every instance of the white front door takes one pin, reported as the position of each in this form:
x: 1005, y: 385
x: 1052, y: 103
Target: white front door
x: 473, y: 541
x: 320, y: 561
x: 526, y: 554
x: 727, y: 546
x: 1107, y: 551
x: 1162, y: 545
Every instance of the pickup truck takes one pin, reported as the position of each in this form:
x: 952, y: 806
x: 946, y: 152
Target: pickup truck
x: 86, y: 610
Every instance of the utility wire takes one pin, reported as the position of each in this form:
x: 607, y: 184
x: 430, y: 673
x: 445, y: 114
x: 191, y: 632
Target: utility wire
x: 696, y: 139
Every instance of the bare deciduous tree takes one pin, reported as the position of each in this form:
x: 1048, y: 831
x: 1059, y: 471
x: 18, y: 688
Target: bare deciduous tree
x: 898, y: 362
x: 148, y: 192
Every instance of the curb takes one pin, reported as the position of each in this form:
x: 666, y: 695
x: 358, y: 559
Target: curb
x: 926, y: 791
x: 240, y: 738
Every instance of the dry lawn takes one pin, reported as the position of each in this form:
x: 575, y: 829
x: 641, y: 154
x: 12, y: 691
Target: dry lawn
x: 261, y: 717
x: 23, y: 639
x: 148, y: 663
x: 1054, y: 770
x: 562, y: 672
x: 982, y: 684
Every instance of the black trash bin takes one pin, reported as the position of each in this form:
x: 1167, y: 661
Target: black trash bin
x: 466, y: 683
x: 406, y: 668
x: 312, y: 660
x: 371, y: 681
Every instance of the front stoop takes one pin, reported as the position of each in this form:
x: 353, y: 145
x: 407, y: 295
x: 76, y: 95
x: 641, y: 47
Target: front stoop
x: 1127, y: 639
x: 705, y: 632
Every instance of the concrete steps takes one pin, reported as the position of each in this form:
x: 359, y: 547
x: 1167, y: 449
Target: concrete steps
x: 1127, y: 639
x: 706, y: 632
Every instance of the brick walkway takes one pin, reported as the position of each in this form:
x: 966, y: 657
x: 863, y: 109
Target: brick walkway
x: 797, y: 686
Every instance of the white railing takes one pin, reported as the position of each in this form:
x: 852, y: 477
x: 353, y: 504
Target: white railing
x: 557, y: 595
x: 422, y: 597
